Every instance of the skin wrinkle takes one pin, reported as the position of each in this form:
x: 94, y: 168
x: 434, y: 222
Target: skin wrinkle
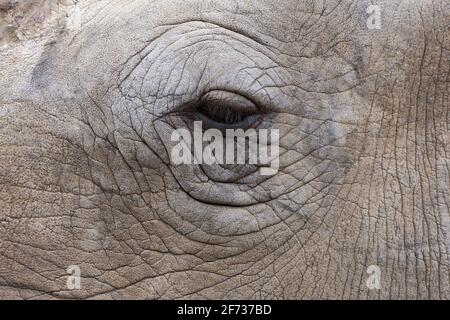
x: 361, y: 173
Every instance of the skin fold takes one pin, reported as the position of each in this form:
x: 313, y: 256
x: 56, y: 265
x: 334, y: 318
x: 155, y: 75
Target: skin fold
x: 90, y: 92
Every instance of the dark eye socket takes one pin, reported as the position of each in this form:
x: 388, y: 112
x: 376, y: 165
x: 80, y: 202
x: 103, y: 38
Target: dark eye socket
x: 224, y: 110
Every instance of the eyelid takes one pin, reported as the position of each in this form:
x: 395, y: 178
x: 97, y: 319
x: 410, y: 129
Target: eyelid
x: 237, y: 101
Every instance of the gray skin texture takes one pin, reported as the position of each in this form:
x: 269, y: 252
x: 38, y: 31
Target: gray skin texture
x: 90, y: 92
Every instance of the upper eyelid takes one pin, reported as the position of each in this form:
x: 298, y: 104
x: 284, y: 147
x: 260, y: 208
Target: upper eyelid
x: 227, y: 96
x: 194, y: 105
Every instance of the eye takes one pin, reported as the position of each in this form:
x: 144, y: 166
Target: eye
x: 226, y: 110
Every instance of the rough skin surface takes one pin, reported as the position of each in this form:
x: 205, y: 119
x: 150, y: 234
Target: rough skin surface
x: 89, y: 93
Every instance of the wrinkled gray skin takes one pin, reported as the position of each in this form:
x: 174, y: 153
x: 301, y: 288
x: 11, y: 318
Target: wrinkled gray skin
x: 85, y: 178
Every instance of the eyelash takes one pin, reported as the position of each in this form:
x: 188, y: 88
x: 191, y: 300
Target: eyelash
x: 223, y: 114
x: 223, y: 110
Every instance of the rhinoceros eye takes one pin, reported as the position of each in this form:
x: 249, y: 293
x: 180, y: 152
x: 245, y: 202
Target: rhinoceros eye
x: 225, y: 110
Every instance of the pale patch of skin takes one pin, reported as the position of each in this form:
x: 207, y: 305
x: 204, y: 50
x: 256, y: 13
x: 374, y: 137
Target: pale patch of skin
x: 88, y: 107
